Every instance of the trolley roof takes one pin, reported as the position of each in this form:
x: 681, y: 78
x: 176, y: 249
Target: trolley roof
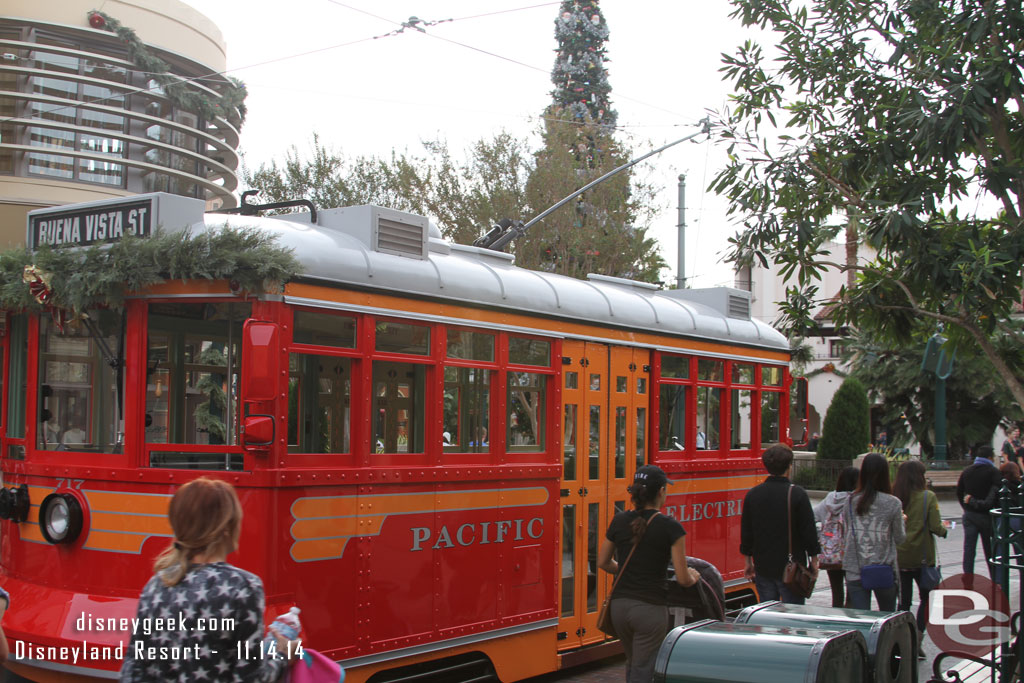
x: 372, y: 247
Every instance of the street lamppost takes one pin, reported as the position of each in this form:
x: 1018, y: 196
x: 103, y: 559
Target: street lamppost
x: 936, y: 362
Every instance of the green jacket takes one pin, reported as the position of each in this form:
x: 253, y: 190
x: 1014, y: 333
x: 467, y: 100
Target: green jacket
x: 919, y: 534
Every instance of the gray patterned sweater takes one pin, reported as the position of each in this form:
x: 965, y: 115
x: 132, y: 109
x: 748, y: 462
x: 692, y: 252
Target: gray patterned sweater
x: 872, y: 538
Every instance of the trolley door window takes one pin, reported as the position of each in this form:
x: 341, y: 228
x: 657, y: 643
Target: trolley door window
x: 78, y: 390
x: 192, y: 385
x: 319, y: 403
x: 569, y: 440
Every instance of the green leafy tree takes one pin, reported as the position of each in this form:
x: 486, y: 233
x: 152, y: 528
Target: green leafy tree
x: 902, y: 123
x: 602, y: 231
x: 847, y: 429
x: 498, y: 178
x: 465, y: 196
x: 904, y: 396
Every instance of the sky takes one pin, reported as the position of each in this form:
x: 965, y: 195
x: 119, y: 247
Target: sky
x: 314, y: 66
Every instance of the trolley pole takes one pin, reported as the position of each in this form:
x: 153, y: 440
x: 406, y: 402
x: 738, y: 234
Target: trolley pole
x: 681, y: 230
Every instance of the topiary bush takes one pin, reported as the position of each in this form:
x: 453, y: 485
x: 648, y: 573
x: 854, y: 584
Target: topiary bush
x: 847, y: 429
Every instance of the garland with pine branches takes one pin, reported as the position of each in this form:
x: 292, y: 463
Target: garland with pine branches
x: 230, y: 105
x: 79, y: 278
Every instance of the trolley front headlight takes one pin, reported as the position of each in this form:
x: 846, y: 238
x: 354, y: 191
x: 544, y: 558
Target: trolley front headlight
x: 60, y: 518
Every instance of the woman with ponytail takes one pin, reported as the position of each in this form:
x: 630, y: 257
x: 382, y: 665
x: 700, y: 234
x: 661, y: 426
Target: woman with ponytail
x: 193, y: 580
x: 644, y: 541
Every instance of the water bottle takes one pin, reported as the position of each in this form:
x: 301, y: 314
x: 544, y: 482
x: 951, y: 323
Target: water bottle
x: 288, y: 624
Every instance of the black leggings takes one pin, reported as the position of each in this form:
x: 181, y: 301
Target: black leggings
x: 837, y: 581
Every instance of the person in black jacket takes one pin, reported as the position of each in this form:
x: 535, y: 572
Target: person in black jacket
x: 976, y: 490
x: 764, y: 536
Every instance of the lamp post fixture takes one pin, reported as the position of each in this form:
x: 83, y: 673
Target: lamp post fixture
x: 936, y: 362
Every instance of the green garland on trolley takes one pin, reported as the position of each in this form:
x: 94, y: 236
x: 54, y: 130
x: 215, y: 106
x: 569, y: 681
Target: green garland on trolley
x: 231, y: 103
x: 83, y: 277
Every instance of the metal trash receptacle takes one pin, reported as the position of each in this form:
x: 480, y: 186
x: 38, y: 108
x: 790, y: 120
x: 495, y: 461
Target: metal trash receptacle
x: 712, y: 651
x: 891, y: 637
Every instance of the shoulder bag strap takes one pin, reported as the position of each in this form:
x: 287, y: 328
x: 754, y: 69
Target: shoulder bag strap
x: 926, y: 529
x: 622, y: 569
x: 789, y: 520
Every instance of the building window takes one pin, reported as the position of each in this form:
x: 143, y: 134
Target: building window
x: 60, y: 123
x: 836, y: 347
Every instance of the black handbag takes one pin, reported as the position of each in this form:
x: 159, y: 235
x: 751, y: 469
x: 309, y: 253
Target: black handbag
x: 796, y: 577
x: 604, y: 615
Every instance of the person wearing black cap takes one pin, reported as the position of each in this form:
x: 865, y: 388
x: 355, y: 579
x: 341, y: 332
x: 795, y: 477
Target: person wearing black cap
x: 638, y: 606
x: 764, y: 536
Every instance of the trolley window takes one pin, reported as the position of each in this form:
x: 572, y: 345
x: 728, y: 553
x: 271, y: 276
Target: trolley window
x: 467, y: 405
x: 17, y: 383
x: 399, y: 390
x: 770, y: 401
x: 523, y: 351
x: 467, y: 392
x: 78, y: 390
x: 771, y: 375
x: 740, y: 424
x: 709, y: 406
x: 319, y: 403
x: 394, y: 337
x: 526, y: 411
x: 672, y: 427
x: 324, y: 329
x: 194, y: 363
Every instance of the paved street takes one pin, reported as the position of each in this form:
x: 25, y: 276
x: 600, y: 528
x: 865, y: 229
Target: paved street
x: 950, y: 556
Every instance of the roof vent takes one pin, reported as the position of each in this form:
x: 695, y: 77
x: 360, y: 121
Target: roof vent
x: 400, y: 234
x: 727, y: 301
x: 739, y: 307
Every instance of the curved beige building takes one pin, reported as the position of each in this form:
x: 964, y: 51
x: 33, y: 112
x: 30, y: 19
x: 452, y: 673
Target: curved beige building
x: 81, y: 120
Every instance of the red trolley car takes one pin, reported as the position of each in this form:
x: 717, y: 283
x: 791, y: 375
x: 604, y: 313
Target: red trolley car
x: 428, y: 441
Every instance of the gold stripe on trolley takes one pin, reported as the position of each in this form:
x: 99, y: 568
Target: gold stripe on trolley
x: 323, y: 525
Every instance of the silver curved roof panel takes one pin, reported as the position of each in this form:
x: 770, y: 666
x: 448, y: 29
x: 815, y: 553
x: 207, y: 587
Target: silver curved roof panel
x: 342, y: 248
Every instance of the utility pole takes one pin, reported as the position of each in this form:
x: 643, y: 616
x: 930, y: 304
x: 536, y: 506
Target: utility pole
x: 681, y: 230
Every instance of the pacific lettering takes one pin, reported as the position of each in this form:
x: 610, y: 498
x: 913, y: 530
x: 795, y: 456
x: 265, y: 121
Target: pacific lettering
x: 470, y: 533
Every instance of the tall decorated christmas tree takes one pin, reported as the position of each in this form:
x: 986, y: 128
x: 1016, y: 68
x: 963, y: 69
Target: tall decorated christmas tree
x: 602, y: 231
x: 581, y: 81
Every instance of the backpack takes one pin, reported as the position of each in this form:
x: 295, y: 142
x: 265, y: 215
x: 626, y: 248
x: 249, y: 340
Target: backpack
x: 833, y: 540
